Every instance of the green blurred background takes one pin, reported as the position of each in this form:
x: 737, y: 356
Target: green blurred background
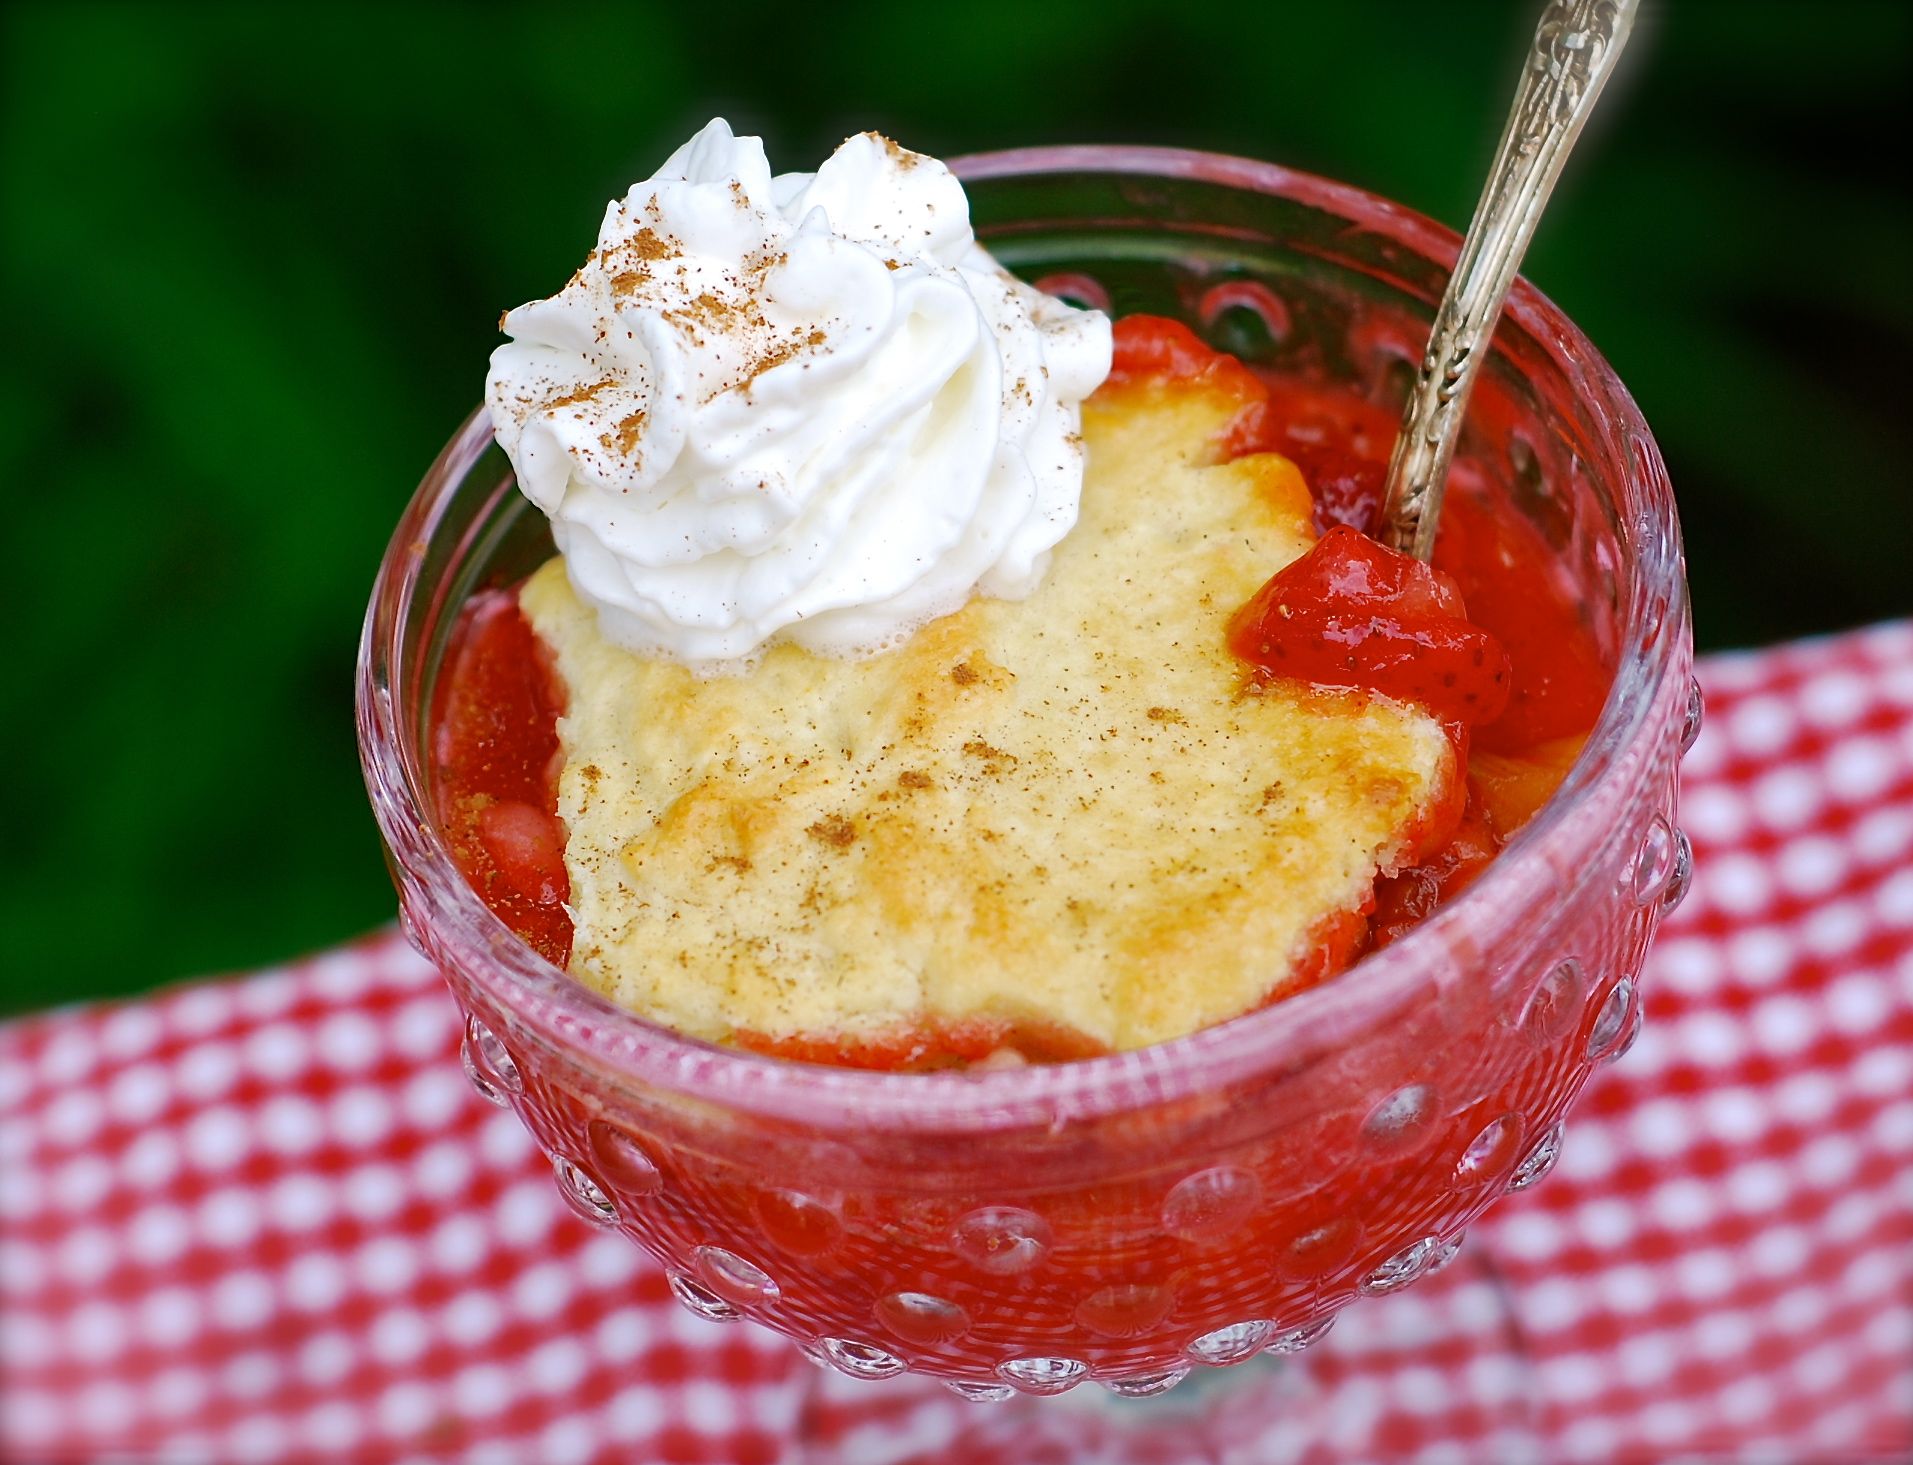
x: 252, y: 266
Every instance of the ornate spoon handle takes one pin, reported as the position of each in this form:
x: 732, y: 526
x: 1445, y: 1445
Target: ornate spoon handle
x: 1575, y: 48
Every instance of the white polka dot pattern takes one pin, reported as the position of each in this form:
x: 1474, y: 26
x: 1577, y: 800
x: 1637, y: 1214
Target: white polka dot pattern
x: 271, y: 1220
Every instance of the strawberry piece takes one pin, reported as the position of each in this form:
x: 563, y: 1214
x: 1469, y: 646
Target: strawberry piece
x: 528, y: 847
x: 1340, y: 442
x: 1347, y: 488
x: 1351, y: 613
x: 1404, y: 900
x: 497, y: 758
x: 1153, y: 348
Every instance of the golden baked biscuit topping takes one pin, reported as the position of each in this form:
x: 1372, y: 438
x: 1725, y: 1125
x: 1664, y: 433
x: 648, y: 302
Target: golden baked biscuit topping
x: 1075, y: 812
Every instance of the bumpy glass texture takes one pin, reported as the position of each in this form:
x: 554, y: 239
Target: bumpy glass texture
x: 1193, y: 1205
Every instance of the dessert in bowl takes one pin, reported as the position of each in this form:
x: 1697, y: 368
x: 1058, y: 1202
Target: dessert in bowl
x: 1217, y: 1173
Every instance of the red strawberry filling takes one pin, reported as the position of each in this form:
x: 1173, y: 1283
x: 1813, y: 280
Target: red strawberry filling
x: 1352, y: 613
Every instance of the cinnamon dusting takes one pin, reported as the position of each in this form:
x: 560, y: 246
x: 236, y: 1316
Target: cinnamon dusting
x: 833, y: 830
x: 579, y: 394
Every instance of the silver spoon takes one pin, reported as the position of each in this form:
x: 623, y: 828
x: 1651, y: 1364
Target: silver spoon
x: 1575, y: 48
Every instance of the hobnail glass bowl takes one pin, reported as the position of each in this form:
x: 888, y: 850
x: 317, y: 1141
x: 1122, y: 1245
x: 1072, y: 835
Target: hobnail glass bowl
x: 1128, y: 1218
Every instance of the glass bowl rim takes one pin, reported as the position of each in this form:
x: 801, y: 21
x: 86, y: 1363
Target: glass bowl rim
x: 628, y: 1046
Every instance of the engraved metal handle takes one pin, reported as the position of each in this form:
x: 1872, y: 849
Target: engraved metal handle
x: 1575, y: 48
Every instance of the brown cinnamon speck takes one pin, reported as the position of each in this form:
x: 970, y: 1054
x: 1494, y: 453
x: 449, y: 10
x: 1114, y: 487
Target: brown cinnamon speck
x: 578, y: 394
x: 899, y: 154
x: 995, y: 760
x: 629, y: 430
x: 833, y: 830
x: 779, y: 354
x: 648, y: 244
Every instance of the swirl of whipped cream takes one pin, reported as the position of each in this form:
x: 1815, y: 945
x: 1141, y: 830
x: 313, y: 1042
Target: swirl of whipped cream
x: 808, y: 406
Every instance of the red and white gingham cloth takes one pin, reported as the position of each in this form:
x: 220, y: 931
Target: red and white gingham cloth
x: 266, y: 1219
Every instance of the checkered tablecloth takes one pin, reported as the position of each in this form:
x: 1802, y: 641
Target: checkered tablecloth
x: 266, y: 1219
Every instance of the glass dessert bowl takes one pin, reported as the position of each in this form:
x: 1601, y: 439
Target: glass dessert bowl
x: 1128, y: 1217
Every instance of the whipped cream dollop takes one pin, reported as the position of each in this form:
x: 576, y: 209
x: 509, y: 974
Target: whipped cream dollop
x: 806, y: 407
